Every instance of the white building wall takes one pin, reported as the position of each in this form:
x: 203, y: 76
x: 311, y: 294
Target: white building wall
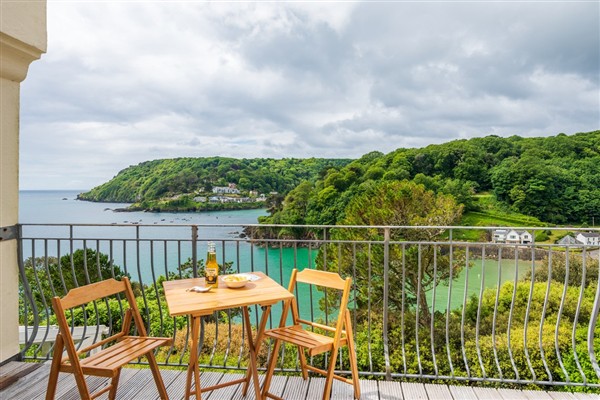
x: 22, y: 40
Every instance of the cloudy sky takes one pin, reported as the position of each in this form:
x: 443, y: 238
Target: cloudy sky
x: 125, y: 82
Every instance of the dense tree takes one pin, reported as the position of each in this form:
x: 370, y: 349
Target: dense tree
x: 411, y: 276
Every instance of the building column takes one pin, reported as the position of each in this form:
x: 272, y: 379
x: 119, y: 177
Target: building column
x: 22, y: 40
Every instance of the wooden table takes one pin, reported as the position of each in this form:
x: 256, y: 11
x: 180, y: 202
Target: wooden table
x: 264, y: 292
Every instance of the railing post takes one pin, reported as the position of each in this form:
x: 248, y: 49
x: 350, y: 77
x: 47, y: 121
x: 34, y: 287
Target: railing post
x: 386, y: 291
x: 592, y: 327
x: 195, y: 250
x: 27, y: 292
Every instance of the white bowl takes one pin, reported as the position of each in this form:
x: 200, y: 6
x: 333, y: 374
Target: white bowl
x: 235, y: 281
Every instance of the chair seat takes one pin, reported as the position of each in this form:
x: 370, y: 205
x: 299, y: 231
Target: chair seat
x: 315, y: 343
x: 108, y: 361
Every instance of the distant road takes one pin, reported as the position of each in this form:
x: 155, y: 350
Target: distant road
x: 594, y: 254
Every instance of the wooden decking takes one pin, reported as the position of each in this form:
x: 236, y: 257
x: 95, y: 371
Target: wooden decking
x: 138, y: 384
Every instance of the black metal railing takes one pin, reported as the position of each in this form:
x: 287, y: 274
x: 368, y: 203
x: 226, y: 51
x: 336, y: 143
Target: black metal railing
x: 455, y: 303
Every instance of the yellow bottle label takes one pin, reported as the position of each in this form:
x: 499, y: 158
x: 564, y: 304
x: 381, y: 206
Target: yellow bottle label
x: 211, y: 271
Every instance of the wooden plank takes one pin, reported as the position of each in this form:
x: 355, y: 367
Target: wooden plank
x: 390, y: 390
x: 561, y: 396
x: 511, y: 394
x: 414, y: 391
x: 586, y: 396
x: 14, y: 370
x: 296, y: 388
x: 536, y: 395
x: 25, y: 387
x: 275, y: 388
x: 487, y: 394
x: 226, y: 392
x: 132, y: 381
x: 463, y: 393
x: 315, y: 388
x: 368, y: 389
x: 169, y: 377
x: 341, y: 390
x: 438, y: 392
x: 176, y: 389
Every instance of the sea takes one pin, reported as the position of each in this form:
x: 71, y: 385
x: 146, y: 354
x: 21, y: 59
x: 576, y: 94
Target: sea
x: 148, y: 245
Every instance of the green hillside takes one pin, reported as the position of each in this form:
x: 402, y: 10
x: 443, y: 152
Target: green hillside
x: 154, y: 180
x: 552, y: 179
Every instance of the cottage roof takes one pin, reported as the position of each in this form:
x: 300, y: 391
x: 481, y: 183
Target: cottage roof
x: 589, y: 234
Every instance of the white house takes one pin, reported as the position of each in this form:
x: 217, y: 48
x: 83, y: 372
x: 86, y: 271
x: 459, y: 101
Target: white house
x: 225, y: 190
x: 512, y: 236
x: 499, y: 235
x: 589, y: 238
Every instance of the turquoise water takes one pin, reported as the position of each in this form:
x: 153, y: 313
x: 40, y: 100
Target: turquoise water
x: 486, y: 274
x: 164, y: 246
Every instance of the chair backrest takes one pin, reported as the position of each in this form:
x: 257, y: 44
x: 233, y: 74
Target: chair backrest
x: 324, y: 279
x: 85, y: 294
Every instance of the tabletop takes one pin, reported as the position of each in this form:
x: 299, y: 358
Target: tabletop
x: 263, y: 291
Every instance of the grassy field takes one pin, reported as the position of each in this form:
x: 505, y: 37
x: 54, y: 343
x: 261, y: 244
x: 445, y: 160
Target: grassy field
x: 492, y: 213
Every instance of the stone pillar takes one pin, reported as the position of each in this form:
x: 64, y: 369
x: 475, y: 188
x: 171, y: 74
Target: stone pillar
x: 22, y: 40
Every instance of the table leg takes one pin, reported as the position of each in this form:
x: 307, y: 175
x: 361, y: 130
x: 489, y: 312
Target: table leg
x: 254, y: 348
x: 193, y: 367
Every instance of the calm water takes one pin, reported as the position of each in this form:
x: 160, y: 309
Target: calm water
x: 156, y: 257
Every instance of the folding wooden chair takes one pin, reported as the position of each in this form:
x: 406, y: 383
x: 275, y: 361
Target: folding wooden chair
x: 120, y: 348
x: 311, y: 341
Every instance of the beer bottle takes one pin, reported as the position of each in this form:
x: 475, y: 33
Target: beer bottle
x: 211, y: 269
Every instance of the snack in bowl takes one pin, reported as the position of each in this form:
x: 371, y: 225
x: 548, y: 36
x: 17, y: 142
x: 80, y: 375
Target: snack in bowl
x: 236, y: 280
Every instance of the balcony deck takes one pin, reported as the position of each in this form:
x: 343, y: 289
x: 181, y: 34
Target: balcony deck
x: 137, y: 383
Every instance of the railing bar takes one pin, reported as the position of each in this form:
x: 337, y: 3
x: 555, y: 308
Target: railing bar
x: 526, y: 325
x: 463, y: 314
x: 386, y: 295
x: 354, y: 286
x: 241, y: 348
x: 559, y: 317
x: 448, y: 308
x: 101, y: 278
x: 511, y: 314
x: 478, y: 324
x: 369, y: 291
x: 432, y: 325
x: 386, y: 351
x: 593, y: 325
x: 576, y: 317
x: 418, y: 308
x: 543, y: 318
x: 495, y: 317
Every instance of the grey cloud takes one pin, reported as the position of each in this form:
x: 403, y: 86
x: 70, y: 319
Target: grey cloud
x: 127, y: 82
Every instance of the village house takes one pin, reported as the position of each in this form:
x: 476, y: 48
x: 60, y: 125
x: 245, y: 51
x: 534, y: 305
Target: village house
x: 226, y: 190
x: 589, y: 238
x: 511, y: 236
x: 568, y: 240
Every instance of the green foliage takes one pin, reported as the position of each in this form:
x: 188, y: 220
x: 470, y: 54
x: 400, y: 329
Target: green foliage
x: 552, y: 179
x: 567, y: 267
x: 49, y: 277
x: 154, y: 180
x: 402, y: 204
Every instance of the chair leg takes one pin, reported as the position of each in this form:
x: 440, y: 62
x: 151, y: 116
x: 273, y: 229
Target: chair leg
x: 330, y: 373
x: 114, y: 382
x: 54, y: 368
x: 352, y: 356
x: 160, y: 385
x: 303, y: 363
x: 270, y: 369
x: 82, y: 385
